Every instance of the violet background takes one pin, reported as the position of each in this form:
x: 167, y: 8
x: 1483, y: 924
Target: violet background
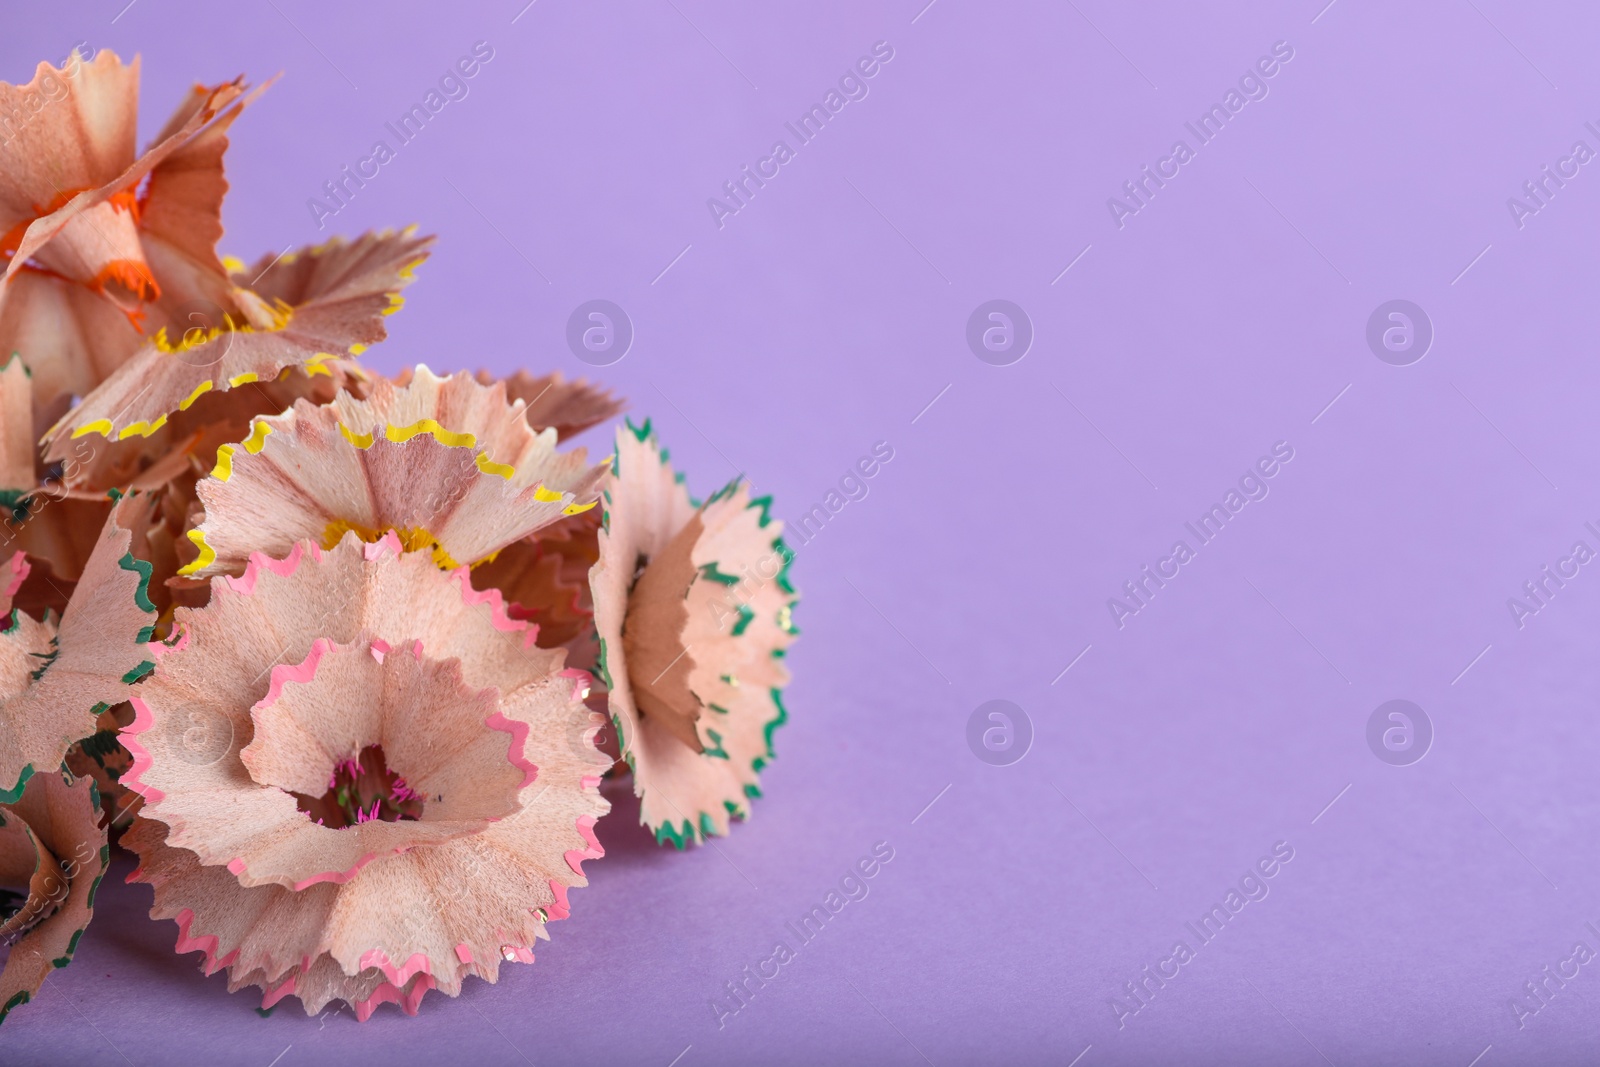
x: 823, y: 318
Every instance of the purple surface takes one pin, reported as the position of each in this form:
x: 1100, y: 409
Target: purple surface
x: 1221, y: 318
